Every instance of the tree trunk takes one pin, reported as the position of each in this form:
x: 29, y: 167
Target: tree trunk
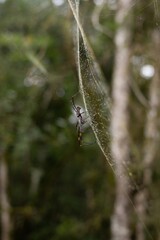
x: 120, y: 117
x: 4, y: 202
x: 151, y: 138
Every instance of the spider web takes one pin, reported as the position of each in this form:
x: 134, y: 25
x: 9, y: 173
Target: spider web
x: 93, y: 88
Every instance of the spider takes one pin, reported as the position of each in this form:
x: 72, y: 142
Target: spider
x: 80, y: 121
x: 78, y: 112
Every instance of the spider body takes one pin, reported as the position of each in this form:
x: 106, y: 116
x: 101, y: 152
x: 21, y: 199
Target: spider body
x: 78, y: 112
x: 80, y: 121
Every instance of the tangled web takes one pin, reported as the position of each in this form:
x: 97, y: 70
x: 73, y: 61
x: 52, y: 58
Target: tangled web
x: 93, y: 88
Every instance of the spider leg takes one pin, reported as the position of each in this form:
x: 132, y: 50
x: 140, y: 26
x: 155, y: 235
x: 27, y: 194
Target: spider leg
x: 77, y: 125
x: 86, y: 142
x: 79, y: 136
x: 74, y: 109
x: 73, y: 105
x: 83, y: 112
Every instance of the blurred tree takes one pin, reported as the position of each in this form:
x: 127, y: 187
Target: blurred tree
x: 120, y: 120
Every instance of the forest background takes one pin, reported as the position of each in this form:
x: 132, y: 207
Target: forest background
x: 50, y: 187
